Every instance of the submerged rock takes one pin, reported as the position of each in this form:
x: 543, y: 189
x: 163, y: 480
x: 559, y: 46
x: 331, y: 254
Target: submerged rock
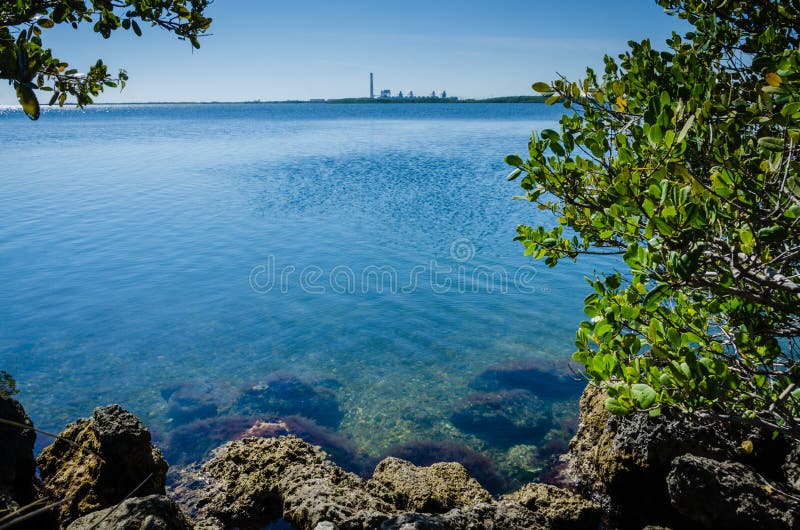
x: 435, y: 489
x: 154, y: 512
x: 729, y: 495
x: 188, y: 402
x: 97, y: 462
x: 545, y: 380
x: 503, y: 418
x: 287, y: 395
x: 194, y: 441
x: 428, y: 452
x: 562, y: 509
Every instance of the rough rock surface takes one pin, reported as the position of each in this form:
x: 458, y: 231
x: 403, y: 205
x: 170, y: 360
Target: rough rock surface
x: 255, y: 481
x: 502, y: 515
x: 154, y: 512
x: 729, y: 495
x: 562, y: 509
x: 435, y: 489
x: 623, y: 462
x: 99, y: 461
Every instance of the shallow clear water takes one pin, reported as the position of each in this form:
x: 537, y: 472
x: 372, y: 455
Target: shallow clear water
x: 366, y: 249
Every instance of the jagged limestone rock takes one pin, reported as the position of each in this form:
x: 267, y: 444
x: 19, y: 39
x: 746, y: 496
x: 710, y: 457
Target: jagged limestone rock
x: 435, y: 489
x: 99, y: 461
x: 252, y: 482
x: 729, y: 495
x: 562, y: 509
x: 623, y: 462
x: 255, y: 481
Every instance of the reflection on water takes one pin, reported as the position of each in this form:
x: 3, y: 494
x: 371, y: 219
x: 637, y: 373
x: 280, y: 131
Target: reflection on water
x: 402, y: 318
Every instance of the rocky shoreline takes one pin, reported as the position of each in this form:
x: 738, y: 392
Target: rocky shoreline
x: 671, y: 471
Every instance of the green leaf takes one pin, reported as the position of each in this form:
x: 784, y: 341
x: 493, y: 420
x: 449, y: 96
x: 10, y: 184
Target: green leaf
x: 793, y: 211
x: 615, y: 407
x: 773, y: 233
x: 513, y: 160
x: 790, y: 108
x: 542, y: 87
x: 514, y: 174
x: 643, y: 395
x: 30, y: 104
x: 656, y: 295
x: 136, y: 28
x: 771, y: 144
x: 549, y: 242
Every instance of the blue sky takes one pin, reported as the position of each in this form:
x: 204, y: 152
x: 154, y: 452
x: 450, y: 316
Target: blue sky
x: 301, y: 49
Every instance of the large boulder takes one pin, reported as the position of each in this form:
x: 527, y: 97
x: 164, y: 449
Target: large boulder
x: 562, y: 509
x: 154, y: 512
x: 623, y: 462
x: 95, y: 463
x: 729, y: 495
x: 435, y: 489
x: 254, y: 481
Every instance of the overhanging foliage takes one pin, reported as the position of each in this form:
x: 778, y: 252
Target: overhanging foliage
x: 29, y: 65
x: 684, y: 163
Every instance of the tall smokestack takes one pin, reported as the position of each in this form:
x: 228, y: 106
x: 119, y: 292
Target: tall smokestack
x: 371, y: 87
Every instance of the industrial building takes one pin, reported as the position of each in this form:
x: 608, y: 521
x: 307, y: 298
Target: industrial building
x: 387, y: 94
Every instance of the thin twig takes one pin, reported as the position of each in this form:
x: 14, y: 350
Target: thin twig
x: 56, y: 436
x: 35, y: 513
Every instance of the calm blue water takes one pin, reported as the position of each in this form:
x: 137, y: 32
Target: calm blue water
x: 213, y: 245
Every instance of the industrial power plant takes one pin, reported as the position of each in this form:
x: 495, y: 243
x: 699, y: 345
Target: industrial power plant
x: 387, y: 94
